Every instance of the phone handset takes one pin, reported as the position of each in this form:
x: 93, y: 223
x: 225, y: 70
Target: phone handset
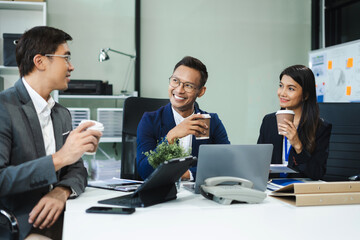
x: 219, y: 180
x: 220, y: 190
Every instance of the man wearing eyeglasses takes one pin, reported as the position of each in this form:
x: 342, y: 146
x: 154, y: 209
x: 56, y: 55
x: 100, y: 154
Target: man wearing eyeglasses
x: 180, y: 118
x: 40, y: 155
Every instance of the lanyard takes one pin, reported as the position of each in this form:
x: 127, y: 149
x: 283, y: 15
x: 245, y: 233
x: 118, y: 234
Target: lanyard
x: 287, y: 150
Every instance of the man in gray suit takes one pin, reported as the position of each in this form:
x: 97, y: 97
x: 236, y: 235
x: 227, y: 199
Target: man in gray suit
x: 40, y: 155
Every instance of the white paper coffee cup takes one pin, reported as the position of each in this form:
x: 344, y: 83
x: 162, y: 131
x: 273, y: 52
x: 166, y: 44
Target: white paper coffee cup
x: 97, y: 127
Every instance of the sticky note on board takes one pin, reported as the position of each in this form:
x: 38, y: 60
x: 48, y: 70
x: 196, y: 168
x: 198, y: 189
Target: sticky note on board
x: 329, y: 65
x: 348, y: 90
x: 349, y: 62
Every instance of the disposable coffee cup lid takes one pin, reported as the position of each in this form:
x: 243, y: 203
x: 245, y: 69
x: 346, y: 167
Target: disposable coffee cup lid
x: 98, y: 125
x: 285, y: 112
x: 205, y: 115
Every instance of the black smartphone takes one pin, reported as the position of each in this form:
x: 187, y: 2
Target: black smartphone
x: 110, y: 210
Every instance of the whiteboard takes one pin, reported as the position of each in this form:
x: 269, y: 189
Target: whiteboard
x: 337, y: 72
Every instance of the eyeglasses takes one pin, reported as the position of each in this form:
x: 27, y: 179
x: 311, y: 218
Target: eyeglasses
x: 66, y: 57
x: 188, y: 87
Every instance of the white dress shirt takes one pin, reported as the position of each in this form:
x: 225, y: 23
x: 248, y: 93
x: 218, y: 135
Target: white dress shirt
x: 43, y: 110
x: 185, y: 142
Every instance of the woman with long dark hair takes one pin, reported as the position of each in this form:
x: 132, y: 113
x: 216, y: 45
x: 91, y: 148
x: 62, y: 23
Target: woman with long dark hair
x: 304, y: 143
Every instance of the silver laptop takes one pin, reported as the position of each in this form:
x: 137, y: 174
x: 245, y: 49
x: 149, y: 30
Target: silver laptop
x: 251, y: 162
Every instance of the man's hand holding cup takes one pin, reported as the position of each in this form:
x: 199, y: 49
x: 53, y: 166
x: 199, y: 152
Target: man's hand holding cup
x: 82, y: 139
x: 98, y: 126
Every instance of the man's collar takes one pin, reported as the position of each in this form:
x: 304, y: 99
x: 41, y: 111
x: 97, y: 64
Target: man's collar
x: 39, y: 103
x: 177, y: 117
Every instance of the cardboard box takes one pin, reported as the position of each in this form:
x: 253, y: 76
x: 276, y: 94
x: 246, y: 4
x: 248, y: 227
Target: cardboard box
x: 319, y: 193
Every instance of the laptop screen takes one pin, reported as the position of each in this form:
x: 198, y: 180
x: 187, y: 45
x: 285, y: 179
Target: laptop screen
x: 251, y: 162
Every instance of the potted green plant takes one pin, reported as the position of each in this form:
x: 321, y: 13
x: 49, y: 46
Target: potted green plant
x: 165, y: 151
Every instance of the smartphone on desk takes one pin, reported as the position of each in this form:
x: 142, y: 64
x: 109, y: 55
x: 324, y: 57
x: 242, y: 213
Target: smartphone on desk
x: 111, y: 210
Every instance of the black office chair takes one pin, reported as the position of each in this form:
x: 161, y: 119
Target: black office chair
x: 344, y: 149
x: 134, y: 108
x: 9, y: 227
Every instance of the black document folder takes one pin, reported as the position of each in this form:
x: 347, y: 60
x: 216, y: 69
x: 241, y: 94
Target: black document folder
x: 158, y: 187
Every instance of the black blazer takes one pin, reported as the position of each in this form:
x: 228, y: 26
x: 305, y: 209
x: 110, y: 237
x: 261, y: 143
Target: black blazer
x: 311, y: 165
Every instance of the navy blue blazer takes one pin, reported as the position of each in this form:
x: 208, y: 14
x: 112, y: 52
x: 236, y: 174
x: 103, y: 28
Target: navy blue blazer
x: 310, y: 165
x: 154, y: 126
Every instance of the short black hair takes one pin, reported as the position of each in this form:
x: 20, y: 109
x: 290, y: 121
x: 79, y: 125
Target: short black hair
x: 38, y: 40
x: 196, y: 64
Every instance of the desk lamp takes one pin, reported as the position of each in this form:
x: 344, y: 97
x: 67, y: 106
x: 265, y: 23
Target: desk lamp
x: 104, y: 56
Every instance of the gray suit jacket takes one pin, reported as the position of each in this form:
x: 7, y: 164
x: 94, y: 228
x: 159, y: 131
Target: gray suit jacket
x: 25, y: 171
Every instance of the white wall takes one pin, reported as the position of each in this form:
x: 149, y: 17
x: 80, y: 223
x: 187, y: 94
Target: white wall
x: 95, y: 25
x: 245, y: 44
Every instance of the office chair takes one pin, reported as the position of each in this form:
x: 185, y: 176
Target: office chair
x: 134, y: 108
x: 343, y: 163
x: 8, y: 225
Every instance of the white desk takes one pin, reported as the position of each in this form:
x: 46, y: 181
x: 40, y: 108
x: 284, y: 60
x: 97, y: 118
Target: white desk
x: 191, y: 216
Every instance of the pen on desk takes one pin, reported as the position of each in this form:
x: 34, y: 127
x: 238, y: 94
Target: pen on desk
x: 126, y: 184
x: 123, y: 184
x: 127, y: 180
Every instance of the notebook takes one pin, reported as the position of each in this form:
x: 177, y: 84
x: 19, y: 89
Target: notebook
x: 158, y: 187
x: 251, y: 162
